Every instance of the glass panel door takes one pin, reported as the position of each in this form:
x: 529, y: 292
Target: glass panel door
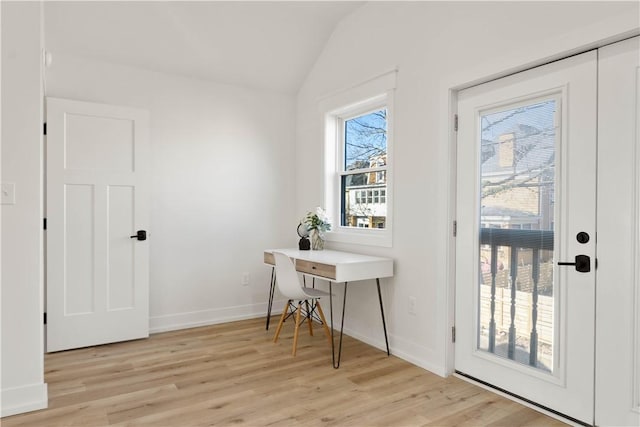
x: 526, y: 194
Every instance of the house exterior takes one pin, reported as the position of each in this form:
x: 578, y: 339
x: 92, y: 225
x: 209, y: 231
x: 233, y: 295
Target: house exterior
x: 366, y: 203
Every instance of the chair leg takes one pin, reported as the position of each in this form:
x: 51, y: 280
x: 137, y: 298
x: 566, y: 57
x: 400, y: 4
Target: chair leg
x: 295, y: 333
x: 324, y: 322
x: 309, y: 320
x: 284, y: 315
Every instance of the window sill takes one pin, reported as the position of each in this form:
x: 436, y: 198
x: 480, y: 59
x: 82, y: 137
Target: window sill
x: 367, y: 237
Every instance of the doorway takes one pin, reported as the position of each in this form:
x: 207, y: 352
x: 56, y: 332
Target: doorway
x: 97, y: 216
x: 547, y: 158
x: 526, y: 189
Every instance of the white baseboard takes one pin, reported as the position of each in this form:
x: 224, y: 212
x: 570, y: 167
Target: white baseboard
x: 18, y: 400
x: 405, y: 350
x: 193, y: 319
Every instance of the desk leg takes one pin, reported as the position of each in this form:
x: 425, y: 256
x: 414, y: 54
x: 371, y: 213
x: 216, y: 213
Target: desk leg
x: 304, y: 281
x: 272, y: 290
x: 336, y: 362
x: 333, y: 352
x: 384, y: 324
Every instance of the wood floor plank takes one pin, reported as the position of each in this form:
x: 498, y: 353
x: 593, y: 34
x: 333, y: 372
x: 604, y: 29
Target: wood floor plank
x: 233, y: 374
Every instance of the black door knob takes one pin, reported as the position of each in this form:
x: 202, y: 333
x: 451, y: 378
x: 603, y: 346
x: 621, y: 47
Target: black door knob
x: 140, y: 235
x: 582, y: 263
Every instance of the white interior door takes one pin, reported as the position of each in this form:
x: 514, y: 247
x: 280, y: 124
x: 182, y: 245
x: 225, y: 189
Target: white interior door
x: 526, y: 200
x: 97, y: 197
x: 618, y: 289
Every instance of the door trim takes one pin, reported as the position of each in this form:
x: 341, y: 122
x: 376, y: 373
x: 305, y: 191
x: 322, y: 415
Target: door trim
x: 636, y: 258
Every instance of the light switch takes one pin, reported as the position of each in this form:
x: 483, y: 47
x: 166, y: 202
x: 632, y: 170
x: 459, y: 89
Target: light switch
x: 8, y: 193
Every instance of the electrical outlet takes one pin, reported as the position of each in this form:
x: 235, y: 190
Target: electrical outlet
x: 412, y: 305
x: 245, y: 279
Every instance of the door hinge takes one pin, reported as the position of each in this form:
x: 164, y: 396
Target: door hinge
x: 453, y: 334
x: 44, y: 223
x: 455, y: 122
x: 455, y: 228
x: 45, y: 317
x: 44, y: 128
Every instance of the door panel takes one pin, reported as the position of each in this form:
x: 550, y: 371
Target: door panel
x: 526, y: 188
x: 121, y: 280
x: 78, y: 249
x: 105, y: 143
x: 97, y: 197
x: 618, y: 289
x: 519, y: 143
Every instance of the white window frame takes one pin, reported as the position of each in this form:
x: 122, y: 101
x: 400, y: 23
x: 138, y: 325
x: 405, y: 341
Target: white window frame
x: 367, y: 97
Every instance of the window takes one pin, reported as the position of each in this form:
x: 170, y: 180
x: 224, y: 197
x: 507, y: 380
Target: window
x: 362, y: 148
x: 358, y: 162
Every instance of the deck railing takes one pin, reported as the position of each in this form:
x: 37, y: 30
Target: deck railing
x: 536, y: 240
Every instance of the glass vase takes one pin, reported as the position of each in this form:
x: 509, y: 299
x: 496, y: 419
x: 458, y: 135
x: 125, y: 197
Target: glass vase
x: 317, y: 242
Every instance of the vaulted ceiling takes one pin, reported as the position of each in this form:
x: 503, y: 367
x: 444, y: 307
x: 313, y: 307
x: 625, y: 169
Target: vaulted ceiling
x: 264, y: 45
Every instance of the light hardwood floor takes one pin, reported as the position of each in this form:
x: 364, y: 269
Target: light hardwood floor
x: 233, y: 374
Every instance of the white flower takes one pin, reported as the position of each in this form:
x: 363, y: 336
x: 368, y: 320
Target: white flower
x: 317, y: 221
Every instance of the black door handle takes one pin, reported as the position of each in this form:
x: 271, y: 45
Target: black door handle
x: 140, y: 235
x: 582, y: 263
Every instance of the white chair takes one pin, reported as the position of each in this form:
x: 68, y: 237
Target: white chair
x: 290, y: 287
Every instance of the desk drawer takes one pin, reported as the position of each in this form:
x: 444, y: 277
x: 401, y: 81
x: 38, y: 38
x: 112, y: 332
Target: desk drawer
x: 316, y: 268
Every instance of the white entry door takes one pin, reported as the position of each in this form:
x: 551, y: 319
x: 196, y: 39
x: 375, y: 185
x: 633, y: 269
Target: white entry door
x: 618, y: 290
x: 526, y: 211
x: 97, y: 198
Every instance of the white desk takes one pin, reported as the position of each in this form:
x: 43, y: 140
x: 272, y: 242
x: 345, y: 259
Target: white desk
x: 334, y: 266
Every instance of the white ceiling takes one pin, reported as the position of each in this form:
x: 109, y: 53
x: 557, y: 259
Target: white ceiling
x: 265, y: 45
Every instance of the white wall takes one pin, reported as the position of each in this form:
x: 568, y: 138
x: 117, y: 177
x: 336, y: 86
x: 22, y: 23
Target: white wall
x: 222, y: 184
x: 436, y: 46
x: 209, y: 226
x: 22, y: 378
